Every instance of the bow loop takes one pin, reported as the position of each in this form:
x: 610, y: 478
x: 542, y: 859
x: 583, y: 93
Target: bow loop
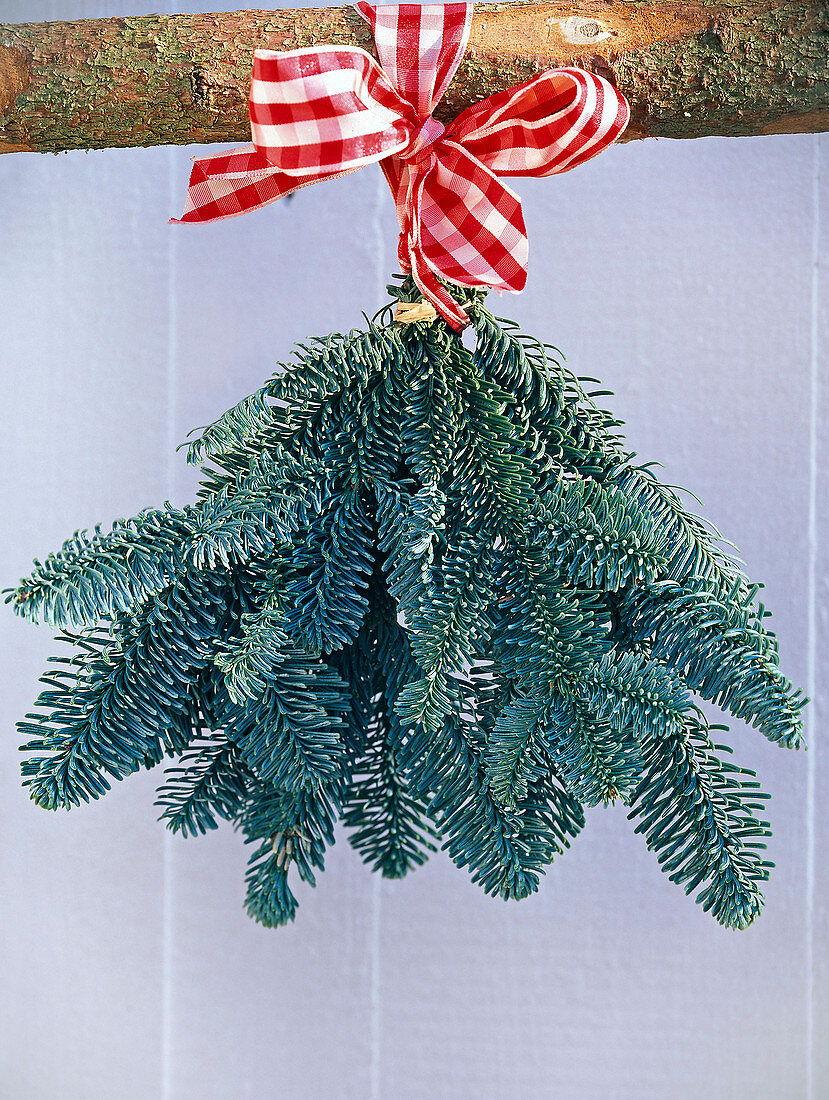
x: 331, y: 109
x: 320, y: 113
x: 551, y: 124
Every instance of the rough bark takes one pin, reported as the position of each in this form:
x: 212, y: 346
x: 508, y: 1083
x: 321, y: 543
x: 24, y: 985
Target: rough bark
x: 689, y: 70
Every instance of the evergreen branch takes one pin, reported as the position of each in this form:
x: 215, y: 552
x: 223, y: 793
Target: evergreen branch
x: 126, y: 698
x: 272, y: 499
x: 432, y: 407
x: 455, y: 623
x: 447, y: 631
x: 697, y: 813
x: 292, y: 415
x: 392, y: 657
x: 325, y: 597
x: 212, y: 782
x: 292, y: 829
x: 716, y: 649
x: 597, y: 764
x: 505, y: 850
x: 66, y: 727
x: 290, y: 733
x: 515, y: 755
x: 569, y: 431
x: 390, y: 832
x: 548, y: 633
x: 411, y: 537
x: 634, y: 692
x: 697, y: 551
x: 294, y: 392
x: 492, y: 476
x: 93, y: 576
x: 598, y: 537
x: 247, y: 661
x: 424, y: 590
x: 559, y: 812
x: 355, y: 665
x: 362, y: 422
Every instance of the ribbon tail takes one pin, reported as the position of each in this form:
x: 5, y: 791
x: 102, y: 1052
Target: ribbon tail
x: 229, y: 184
x: 237, y: 182
x: 467, y: 226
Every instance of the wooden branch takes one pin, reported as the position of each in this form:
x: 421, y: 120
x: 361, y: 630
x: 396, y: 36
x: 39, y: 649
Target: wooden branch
x: 689, y: 70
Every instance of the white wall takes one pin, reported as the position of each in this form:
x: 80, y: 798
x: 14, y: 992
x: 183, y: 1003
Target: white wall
x: 687, y: 276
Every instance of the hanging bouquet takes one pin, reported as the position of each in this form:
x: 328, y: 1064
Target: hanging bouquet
x: 425, y: 590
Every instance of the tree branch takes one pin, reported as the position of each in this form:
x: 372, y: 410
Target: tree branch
x: 689, y: 70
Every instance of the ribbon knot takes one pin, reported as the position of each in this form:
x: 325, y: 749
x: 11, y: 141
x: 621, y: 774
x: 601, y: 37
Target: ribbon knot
x: 317, y: 114
x: 423, y: 141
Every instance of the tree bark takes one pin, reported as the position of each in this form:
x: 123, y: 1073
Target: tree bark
x: 689, y: 70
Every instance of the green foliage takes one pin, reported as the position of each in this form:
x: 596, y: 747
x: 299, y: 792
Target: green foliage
x: 391, y: 833
x: 699, y: 814
x: 212, y: 782
x: 425, y: 591
x: 325, y: 594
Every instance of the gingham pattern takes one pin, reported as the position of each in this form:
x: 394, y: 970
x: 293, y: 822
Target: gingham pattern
x: 321, y: 113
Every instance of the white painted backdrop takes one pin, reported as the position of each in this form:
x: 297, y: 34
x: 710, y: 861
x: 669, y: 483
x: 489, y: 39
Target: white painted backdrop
x: 688, y: 277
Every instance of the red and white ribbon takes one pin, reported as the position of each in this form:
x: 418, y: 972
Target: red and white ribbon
x: 320, y: 113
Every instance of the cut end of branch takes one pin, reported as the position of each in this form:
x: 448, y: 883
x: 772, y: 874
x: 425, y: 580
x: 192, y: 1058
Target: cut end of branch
x: 15, y: 78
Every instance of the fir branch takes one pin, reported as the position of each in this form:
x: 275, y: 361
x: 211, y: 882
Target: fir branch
x: 515, y: 756
x: 289, y: 734
x: 291, y: 829
x: 569, y: 431
x: 492, y: 476
x: 392, y: 658
x: 425, y: 589
x: 697, y: 813
x: 95, y: 575
x: 634, y: 692
x: 432, y: 406
x: 127, y: 697
x: 547, y: 632
x: 212, y: 782
x: 388, y: 820
x: 597, y: 764
x: 325, y: 595
x: 362, y: 442
x: 715, y: 648
x: 294, y: 392
x: 447, y: 632
x: 505, y: 850
x: 697, y: 551
x: 356, y: 666
x: 599, y: 537
x: 247, y: 660
x: 411, y: 536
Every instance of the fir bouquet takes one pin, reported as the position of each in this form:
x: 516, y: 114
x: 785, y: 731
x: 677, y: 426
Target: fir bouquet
x: 425, y: 590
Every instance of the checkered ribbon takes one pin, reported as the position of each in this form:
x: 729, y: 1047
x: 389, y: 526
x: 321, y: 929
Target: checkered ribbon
x: 320, y: 113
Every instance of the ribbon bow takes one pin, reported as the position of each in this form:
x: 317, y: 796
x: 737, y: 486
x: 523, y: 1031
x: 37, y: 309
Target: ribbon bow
x: 320, y: 113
